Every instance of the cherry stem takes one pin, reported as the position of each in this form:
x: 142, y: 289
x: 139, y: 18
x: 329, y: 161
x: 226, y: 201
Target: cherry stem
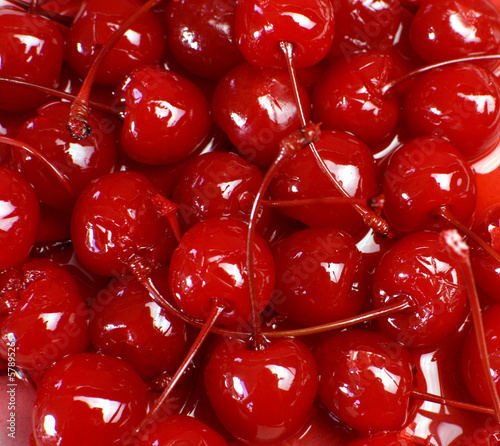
x: 419, y: 395
x: 35, y: 153
x: 445, y: 212
x: 77, y: 122
x: 60, y: 94
x: 289, y: 145
x: 459, y: 251
x: 309, y: 201
x: 169, y: 210
x: 370, y: 218
x: 421, y: 70
x: 63, y: 20
x: 218, y: 306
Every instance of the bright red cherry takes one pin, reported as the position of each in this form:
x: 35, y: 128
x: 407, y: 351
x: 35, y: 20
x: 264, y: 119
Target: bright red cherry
x: 256, y: 109
x: 423, y: 175
x: 458, y: 102
x: 320, y: 277
x: 419, y: 267
x: 116, y: 217
x: 88, y: 399
x: 365, y: 380
x: 451, y: 29
x: 142, y: 44
x: 32, y: 50
x: 130, y: 325
x: 48, y: 319
x: 201, y: 36
x: 261, y: 396
x: 167, y: 117
x: 261, y: 26
x: 19, y: 217
x: 349, y: 160
x: 210, y: 263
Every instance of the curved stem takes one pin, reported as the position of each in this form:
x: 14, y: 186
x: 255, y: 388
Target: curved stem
x: 218, y: 307
x: 63, y: 20
x: 77, y: 122
x: 309, y: 201
x: 459, y: 250
x: 36, y: 154
x: 419, y: 395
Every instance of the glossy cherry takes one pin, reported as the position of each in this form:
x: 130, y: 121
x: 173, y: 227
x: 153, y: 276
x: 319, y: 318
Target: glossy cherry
x: 19, y: 217
x: 32, y: 50
x: 167, y: 117
x: 349, y: 160
x: 256, y: 108
x: 365, y: 380
x: 261, y: 396
x: 48, y: 317
x: 119, y: 216
x: 457, y: 102
x: 423, y: 175
x: 261, y: 26
x: 320, y: 277
x: 210, y: 263
x: 419, y: 267
x: 88, y: 399
x: 142, y: 44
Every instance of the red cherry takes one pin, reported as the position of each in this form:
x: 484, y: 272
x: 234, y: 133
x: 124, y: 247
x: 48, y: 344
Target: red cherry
x: 262, y: 25
x: 384, y: 439
x: 167, y: 117
x: 320, y: 277
x: 350, y: 161
x: 457, y: 102
x: 130, y: 325
x: 32, y: 50
x: 256, y: 109
x: 49, y: 317
x: 349, y: 97
x: 210, y: 263
x: 117, y: 217
x: 261, y: 396
x: 181, y: 429
x: 447, y: 29
x: 419, y: 267
x: 365, y: 380
x: 423, y: 175
x: 142, y: 44
x: 88, y: 399
x: 201, y: 36
x: 19, y: 216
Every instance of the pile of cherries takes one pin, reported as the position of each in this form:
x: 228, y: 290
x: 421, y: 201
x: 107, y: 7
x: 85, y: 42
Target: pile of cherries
x: 251, y: 222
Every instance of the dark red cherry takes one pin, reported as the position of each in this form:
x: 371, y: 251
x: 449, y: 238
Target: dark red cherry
x: 167, y: 117
x: 210, y: 263
x: 201, y: 36
x: 451, y: 29
x: 130, y: 325
x: 142, y: 44
x: 78, y: 161
x: 362, y: 25
x: 320, y: 277
x: 88, y: 399
x: 218, y: 185
x: 457, y: 102
x: 261, y: 26
x: 19, y: 217
x: 349, y: 97
x: 32, y: 50
x: 422, y: 175
x: 262, y: 396
x: 349, y: 160
x: 256, y: 109
x: 419, y: 267
x: 116, y: 217
x: 181, y: 429
x: 382, y: 439
x: 48, y: 319
x: 365, y: 380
